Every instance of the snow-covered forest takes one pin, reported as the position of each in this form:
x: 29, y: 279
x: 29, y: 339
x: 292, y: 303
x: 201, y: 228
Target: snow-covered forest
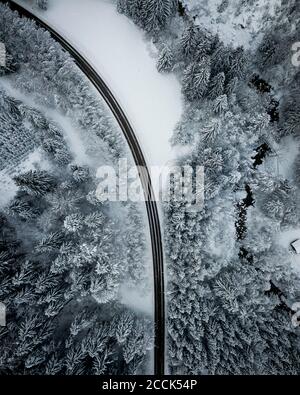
x: 65, y: 256
x: 232, y: 278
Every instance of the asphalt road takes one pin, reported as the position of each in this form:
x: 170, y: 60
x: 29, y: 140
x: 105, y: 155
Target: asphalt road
x: 151, y: 206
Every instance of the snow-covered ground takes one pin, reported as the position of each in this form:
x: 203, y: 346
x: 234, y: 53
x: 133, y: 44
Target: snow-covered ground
x: 119, y: 52
x: 285, y: 239
x: 240, y: 23
x: 282, y: 162
x: 7, y: 185
x: 85, y: 148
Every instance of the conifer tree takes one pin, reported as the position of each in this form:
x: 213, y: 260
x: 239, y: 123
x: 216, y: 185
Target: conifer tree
x: 165, y: 61
x: 42, y: 4
x: 36, y: 183
x: 196, y: 79
x: 216, y: 87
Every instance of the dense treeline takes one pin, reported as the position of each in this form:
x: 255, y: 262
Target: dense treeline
x: 49, y: 76
x: 151, y: 15
x: 229, y: 300
x: 62, y: 260
x: 64, y: 255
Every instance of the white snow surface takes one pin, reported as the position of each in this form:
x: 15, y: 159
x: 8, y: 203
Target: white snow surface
x: 118, y: 50
x: 285, y: 239
x: 79, y: 143
x: 282, y: 163
x: 137, y: 300
x: 8, y: 187
x: 241, y: 23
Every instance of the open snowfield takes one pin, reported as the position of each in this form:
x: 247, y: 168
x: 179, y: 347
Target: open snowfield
x: 118, y: 51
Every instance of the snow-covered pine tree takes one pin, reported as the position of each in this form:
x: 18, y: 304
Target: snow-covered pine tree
x: 223, y: 6
x: 231, y: 86
x: 36, y: 183
x: 124, y: 326
x: 289, y: 111
x: 196, y: 79
x: 239, y: 64
x: 42, y: 4
x: 216, y: 86
x: 189, y: 41
x: 156, y: 13
x: 220, y: 104
x: 165, y: 62
x: 10, y: 64
x: 151, y: 15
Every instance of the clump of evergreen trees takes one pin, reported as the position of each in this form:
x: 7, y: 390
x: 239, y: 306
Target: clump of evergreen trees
x: 42, y: 4
x: 62, y: 260
x: 230, y: 297
x: 48, y: 75
x: 63, y: 254
x: 151, y: 15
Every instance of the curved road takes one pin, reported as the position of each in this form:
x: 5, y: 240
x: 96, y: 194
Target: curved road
x: 151, y: 206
